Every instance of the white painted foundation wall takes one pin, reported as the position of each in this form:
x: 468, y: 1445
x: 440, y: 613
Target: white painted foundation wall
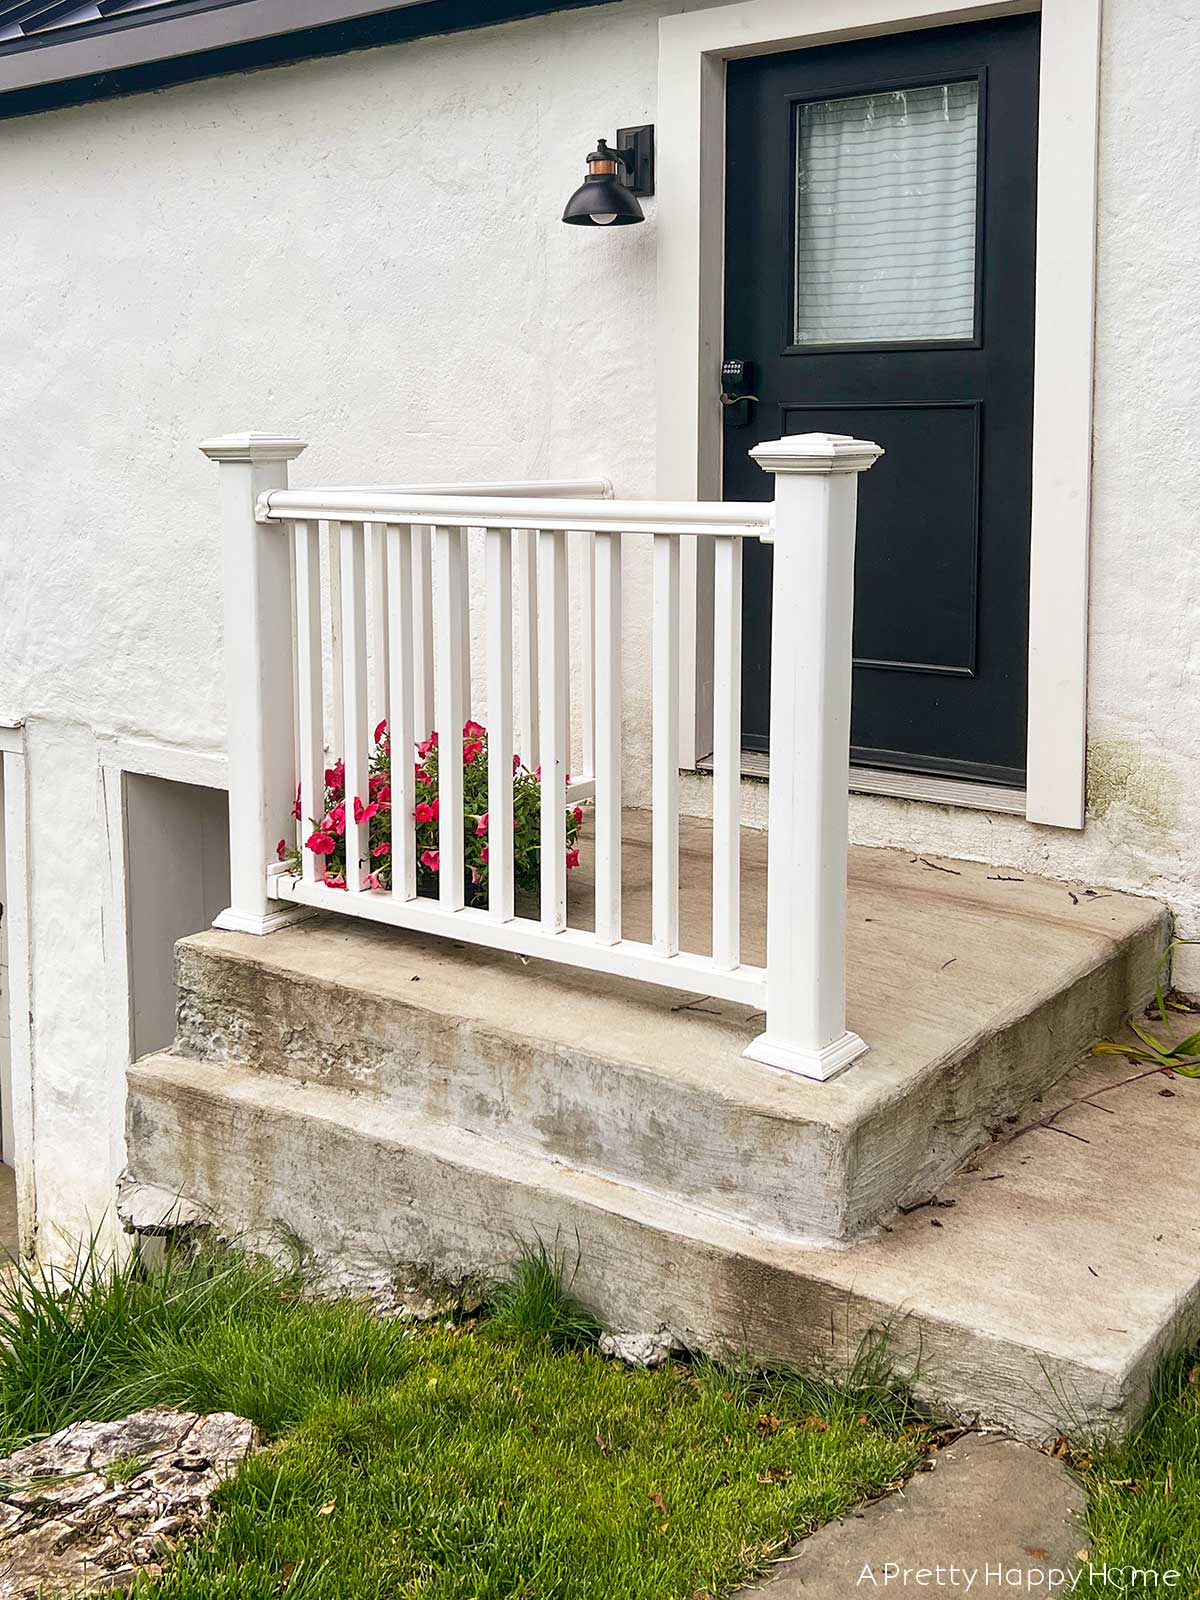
x: 365, y: 251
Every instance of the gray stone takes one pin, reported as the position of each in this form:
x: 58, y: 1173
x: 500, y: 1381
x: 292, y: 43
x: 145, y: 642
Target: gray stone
x: 640, y: 1349
x: 70, y: 1525
x: 987, y: 1503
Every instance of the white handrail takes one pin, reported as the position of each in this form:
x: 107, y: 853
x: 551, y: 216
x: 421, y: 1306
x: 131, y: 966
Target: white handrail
x: 741, y: 519
x: 400, y: 619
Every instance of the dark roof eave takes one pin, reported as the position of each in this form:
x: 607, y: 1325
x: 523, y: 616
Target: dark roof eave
x: 131, y: 53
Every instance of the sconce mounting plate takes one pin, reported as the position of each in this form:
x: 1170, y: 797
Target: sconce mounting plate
x: 639, y: 144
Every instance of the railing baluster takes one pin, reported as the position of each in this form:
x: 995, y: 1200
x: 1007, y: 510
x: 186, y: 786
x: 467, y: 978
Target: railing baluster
x: 400, y: 710
x: 587, y: 615
x: 527, y: 574
x: 500, y: 723
x: 464, y: 605
x: 554, y: 690
x: 727, y: 754
x: 665, y: 820
x: 422, y: 588
x: 449, y: 556
x: 337, y: 684
x: 310, y: 709
x: 377, y: 623
x: 351, y: 544
x: 607, y: 755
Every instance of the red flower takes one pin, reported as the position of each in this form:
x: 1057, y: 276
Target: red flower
x: 364, y: 813
x: 380, y: 730
x: 384, y: 795
x: 431, y: 859
x: 516, y: 765
x: 281, y: 850
x: 335, y: 822
x: 371, y: 881
x: 426, y: 745
x: 471, y: 750
x: 296, y: 808
x: 335, y: 776
x: 383, y: 849
x: 474, y: 730
x: 578, y: 815
x: 481, y: 827
x: 321, y: 844
x: 572, y: 858
x: 422, y: 775
x: 483, y: 855
x: 335, y: 883
x: 426, y: 812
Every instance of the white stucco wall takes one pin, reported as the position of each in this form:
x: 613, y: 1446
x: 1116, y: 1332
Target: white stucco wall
x: 365, y: 251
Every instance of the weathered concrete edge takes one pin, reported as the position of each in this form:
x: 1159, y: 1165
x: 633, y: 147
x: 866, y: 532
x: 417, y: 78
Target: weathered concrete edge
x: 462, y: 1202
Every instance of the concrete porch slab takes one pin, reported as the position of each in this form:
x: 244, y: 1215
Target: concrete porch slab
x: 974, y: 987
x: 1040, y: 1292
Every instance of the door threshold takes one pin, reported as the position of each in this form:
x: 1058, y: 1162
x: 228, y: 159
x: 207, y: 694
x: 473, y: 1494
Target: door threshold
x: 925, y: 786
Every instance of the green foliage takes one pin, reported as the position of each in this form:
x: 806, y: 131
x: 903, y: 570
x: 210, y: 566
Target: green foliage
x: 534, y: 1301
x: 461, y: 1461
x: 328, y: 838
x: 1144, y: 1491
x: 1183, y: 1056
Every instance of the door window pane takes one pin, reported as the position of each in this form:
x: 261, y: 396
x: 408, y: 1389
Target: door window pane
x: 885, y: 216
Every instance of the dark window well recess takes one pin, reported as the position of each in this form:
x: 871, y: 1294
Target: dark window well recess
x: 64, y: 52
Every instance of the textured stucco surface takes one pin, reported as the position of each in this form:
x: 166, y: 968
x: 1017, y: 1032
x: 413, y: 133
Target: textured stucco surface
x: 366, y: 251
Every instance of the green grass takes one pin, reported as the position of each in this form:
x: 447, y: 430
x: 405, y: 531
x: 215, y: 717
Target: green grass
x: 1144, y: 1493
x: 500, y: 1457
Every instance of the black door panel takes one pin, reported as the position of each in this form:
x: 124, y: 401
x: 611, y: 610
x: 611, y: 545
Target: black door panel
x: 942, y: 568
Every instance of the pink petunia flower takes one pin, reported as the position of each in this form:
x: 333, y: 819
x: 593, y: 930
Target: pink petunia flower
x: 427, y: 812
x: 431, y: 859
x: 471, y: 751
x: 321, y: 844
x: 516, y: 765
x: 380, y: 730
x: 281, y: 850
x: 335, y: 776
x: 481, y: 826
x: 371, y: 881
x: 572, y: 858
x: 422, y: 775
x: 335, y: 883
x: 296, y: 812
x: 383, y: 849
x: 335, y: 822
x: 577, y: 814
x: 474, y: 730
x: 426, y: 745
x: 364, y: 813
x: 483, y: 855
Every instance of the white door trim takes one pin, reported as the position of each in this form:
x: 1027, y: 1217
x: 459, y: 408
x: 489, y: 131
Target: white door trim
x: 20, y: 998
x: 693, y: 50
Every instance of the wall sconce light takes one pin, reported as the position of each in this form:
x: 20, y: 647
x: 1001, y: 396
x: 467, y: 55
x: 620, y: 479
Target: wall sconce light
x: 615, y: 178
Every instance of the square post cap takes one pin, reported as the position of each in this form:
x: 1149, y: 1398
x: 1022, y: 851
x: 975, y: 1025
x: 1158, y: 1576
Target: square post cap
x: 816, y: 453
x: 253, y: 447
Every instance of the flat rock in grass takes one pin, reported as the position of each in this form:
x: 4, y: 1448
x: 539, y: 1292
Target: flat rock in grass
x: 71, y: 1526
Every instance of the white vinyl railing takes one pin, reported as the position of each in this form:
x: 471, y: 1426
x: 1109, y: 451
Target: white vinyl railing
x: 368, y: 592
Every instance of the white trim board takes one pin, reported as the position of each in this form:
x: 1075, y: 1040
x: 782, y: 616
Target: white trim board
x: 20, y: 1016
x: 693, y: 50
x: 756, y: 765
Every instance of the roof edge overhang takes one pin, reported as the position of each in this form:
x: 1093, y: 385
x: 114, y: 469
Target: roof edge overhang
x: 152, y: 49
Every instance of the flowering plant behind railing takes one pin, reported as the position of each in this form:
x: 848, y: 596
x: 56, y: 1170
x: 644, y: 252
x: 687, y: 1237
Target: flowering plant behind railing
x: 328, y: 838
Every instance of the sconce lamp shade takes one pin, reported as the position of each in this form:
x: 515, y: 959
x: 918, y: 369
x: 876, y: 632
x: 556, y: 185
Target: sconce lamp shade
x: 603, y: 199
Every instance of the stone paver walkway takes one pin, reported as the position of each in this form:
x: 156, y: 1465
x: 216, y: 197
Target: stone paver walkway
x: 992, y: 1517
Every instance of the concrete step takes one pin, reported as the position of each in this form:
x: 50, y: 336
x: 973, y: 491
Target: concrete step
x: 1039, y: 1293
x: 972, y: 986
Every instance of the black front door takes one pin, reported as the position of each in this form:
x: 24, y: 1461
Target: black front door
x: 879, y: 277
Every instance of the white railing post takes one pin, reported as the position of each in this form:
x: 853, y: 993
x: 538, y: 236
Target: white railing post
x: 816, y: 492
x: 259, y: 678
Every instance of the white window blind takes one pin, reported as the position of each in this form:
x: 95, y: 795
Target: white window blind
x: 885, y: 216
